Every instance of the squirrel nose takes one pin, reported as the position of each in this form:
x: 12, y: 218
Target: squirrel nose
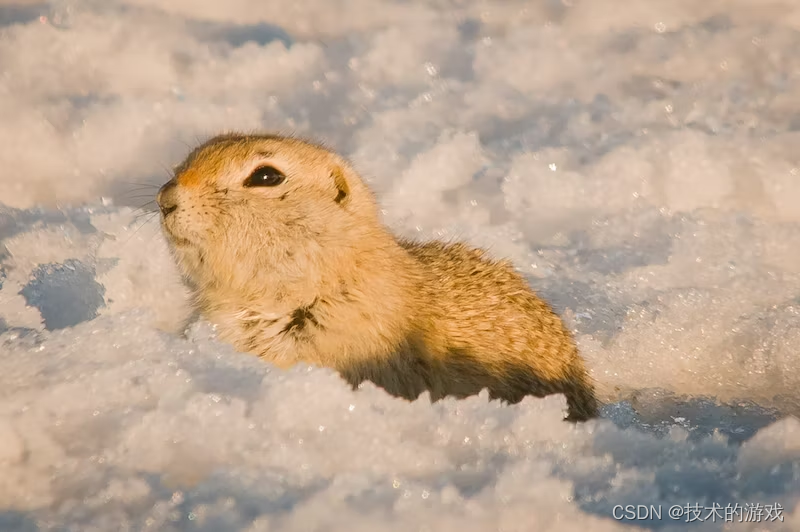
x: 167, y: 197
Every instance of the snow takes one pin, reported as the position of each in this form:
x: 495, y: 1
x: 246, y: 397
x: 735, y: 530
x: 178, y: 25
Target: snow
x: 637, y: 162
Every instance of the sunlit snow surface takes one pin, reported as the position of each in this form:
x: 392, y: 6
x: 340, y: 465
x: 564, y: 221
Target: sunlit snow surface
x: 637, y: 160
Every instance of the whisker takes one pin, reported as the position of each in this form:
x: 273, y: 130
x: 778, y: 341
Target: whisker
x: 147, y: 221
x: 147, y: 214
x: 138, y: 193
x: 142, y: 214
x: 142, y: 206
x: 142, y: 190
x: 142, y: 196
x: 189, y: 146
x: 170, y: 174
x: 143, y: 184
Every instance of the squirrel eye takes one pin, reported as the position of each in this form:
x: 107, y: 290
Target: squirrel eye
x: 264, y: 176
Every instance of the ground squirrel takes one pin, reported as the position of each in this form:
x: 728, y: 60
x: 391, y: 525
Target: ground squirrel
x: 283, y: 243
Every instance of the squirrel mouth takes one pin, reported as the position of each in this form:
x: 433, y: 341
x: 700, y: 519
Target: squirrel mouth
x: 179, y: 241
x: 176, y: 240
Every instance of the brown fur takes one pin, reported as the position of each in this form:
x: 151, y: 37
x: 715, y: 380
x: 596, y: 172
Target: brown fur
x: 306, y: 271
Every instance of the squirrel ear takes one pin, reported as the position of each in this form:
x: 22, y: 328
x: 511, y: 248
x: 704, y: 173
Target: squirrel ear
x: 342, y: 188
